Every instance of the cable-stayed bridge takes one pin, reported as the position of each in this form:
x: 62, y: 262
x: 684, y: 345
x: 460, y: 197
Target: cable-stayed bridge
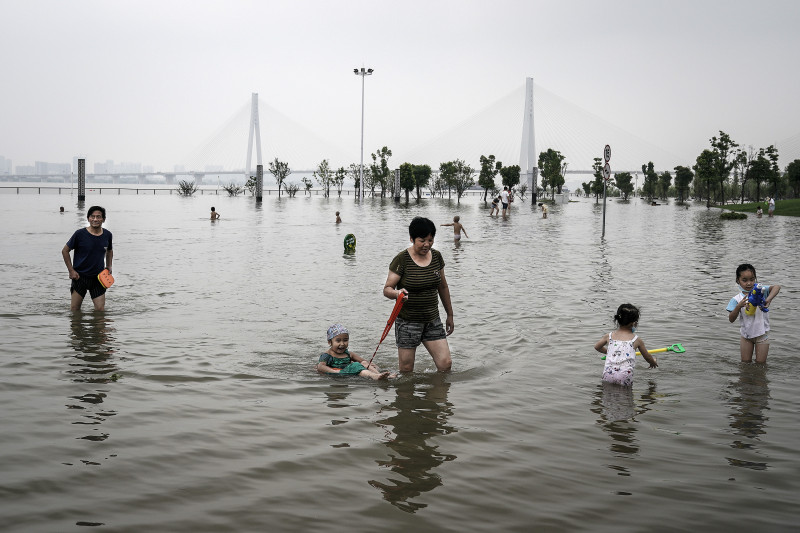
x: 497, y: 129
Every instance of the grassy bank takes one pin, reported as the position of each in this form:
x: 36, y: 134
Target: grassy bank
x: 788, y: 208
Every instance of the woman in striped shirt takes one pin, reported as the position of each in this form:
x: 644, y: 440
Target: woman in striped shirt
x: 418, y: 273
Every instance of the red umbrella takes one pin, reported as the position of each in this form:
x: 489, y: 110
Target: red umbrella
x: 397, y: 306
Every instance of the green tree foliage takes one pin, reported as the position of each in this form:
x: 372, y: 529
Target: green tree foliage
x: 447, y: 173
x: 251, y: 185
x: 705, y: 170
x: 308, y: 184
x: 457, y: 175
x: 407, y: 182
x: 664, y: 181
x: 464, y: 178
x: 725, y: 152
x: 683, y: 177
x: 624, y: 182
x: 489, y: 170
x: 650, y: 180
x: 324, y: 176
x: 597, y: 184
x: 280, y: 171
x: 587, y: 188
x: 380, y: 170
x: 436, y: 185
x: 774, y: 175
x: 186, y: 188
x: 550, y: 169
x: 354, y: 171
x: 338, y: 180
x: 793, y: 176
x: 422, y: 175
x: 741, y: 162
x: 510, y: 176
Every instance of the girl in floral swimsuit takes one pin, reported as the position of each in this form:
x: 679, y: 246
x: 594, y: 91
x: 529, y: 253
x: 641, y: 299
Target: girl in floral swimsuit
x: 620, y: 347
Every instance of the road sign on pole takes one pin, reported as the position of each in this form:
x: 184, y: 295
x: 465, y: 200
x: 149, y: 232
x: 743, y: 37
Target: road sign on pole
x: 606, y: 175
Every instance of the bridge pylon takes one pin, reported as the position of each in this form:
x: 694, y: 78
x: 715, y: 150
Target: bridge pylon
x: 255, y: 129
x: 527, y: 154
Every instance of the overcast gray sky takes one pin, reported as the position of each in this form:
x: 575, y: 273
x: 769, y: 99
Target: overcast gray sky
x: 150, y: 81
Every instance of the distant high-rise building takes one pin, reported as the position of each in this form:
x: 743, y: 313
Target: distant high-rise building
x: 5, y: 165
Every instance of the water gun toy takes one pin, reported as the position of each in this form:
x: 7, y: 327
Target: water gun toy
x: 755, y: 299
x: 677, y: 348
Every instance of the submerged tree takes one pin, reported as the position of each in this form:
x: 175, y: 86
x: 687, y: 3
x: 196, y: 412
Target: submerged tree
x: 464, y: 178
x: 597, y: 184
x: 510, y: 176
x: 422, y: 175
x: 186, y: 188
x: 683, y: 177
x: 447, y: 173
x: 724, y: 150
x: 624, y: 182
x: 280, y: 170
x: 650, y: 180
x: 793, y: 176
x: 380, y: 170
x: 551, y: 170
x: 338, y: 180
x: 354, y: 171
x: 489, y: 170
x: 664, y: 181
x: 407, y: 182
x: 324, y: 176
x: 705, y: 169
x: 233, y: 189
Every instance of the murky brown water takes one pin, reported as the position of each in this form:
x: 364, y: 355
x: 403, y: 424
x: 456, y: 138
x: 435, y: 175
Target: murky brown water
x: 218, y: 422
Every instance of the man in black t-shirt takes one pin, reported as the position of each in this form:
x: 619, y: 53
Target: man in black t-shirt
x: 93, y: 253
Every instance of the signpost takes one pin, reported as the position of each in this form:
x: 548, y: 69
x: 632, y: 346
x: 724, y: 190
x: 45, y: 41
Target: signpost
x: 606, y: 177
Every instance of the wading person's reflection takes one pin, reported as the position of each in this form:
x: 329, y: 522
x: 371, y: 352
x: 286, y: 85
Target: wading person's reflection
x: 419, y: 414
x: 616, y: 405
x: 92, y: 337
x: 750, y: 401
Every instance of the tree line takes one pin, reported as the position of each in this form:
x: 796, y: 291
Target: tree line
x: 724, y: 172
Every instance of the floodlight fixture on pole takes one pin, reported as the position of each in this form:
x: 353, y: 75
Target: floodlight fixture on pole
x: 363, y: 73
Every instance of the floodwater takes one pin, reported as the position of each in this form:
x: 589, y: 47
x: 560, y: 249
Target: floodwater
x: 192, y: 403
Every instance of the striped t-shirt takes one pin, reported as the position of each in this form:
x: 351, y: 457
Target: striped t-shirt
x: 422, y: 284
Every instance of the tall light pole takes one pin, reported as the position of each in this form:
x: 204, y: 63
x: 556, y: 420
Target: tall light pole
x: 363, y: 73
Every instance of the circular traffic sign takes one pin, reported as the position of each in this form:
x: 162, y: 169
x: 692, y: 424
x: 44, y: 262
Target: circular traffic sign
x: 607, y: 153
x: 607, y: 171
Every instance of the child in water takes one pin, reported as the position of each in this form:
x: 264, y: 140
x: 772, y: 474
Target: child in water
x: 754, y: 320
x: 457, y: 228
x: 544, y: 209
x: 495, y: 206
x: 214, y: 214
x: 620, y: 347
x: 337, y: 360
x: 338, y: 218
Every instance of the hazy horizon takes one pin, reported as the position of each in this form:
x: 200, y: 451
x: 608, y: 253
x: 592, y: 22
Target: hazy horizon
x: 150, y: 82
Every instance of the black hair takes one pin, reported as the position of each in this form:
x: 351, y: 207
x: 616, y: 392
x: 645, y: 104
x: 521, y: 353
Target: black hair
x: 744, y: 267
x: 213, y: 209
x: 95, y: 208
x: 626, y: 314
x: 421, y: 227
